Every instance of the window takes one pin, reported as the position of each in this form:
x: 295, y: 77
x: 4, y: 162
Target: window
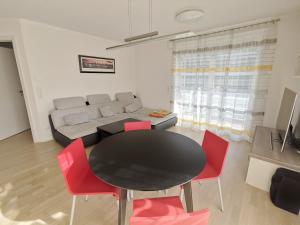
x: 221, y: 81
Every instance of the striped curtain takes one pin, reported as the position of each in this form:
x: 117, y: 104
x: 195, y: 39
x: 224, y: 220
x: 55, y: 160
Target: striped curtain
x: 220, y: 81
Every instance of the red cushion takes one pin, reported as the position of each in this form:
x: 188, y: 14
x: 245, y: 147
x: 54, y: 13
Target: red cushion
x: 140, y: 125
x: 166, y: 206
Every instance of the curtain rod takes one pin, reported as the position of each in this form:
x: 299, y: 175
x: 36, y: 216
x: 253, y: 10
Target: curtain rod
x: 228, y: 29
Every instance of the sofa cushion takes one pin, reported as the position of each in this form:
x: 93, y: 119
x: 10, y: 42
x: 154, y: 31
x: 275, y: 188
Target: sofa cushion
x: 143, y: 114
x: 67, y: 103
x: 125, y: 97
x: 106, y: 111
x: 76, y: 118
x: 58, y: 115
x: 116, y: 107
x: 107, y: 120
x: 134, y: 106
x: 98, y: 99
x: 93, y: 112
x: 79, y: 130
x: 83, y: 129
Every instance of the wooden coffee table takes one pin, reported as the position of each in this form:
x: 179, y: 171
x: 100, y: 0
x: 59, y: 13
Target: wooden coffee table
x: 113, y: 128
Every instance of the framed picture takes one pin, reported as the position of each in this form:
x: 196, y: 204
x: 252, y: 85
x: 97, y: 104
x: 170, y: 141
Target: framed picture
x: 92, y: 64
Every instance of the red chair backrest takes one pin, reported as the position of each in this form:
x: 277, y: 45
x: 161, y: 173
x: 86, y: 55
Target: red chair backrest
x: 195, y: 218
x: 141, y: 125
x: 73, y: 164
x: 216, y: 149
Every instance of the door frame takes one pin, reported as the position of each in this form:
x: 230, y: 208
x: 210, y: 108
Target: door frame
x: 26, y: 83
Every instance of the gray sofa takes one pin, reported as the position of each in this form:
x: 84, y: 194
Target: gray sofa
x: 75, y: 117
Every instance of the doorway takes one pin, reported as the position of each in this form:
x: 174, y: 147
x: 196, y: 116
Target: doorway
x: 13, y: 113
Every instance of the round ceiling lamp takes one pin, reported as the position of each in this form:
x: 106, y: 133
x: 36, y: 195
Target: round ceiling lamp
x: 190, y: 15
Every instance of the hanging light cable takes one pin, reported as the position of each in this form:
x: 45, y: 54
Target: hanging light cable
x: 130, y: 17
x: 150, y: 16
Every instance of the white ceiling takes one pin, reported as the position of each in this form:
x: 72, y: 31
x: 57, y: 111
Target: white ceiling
x: 109, y: 18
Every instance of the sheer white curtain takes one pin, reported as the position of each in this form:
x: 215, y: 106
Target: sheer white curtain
x: 221, y: 80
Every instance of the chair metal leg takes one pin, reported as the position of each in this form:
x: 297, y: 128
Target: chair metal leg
x: 220, y: 192
x: 128, y: 195
x: 181, y: 194
x: 86, y: 197
x: 131, y: 194
x: 72, y: 210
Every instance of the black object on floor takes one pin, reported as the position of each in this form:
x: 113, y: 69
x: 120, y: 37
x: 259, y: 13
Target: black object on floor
x: 285, y: 190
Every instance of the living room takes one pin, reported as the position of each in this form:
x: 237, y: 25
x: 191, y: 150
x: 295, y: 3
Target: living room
x: 47, y: 38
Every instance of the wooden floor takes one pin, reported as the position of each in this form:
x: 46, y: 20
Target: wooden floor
x: 32, y: 190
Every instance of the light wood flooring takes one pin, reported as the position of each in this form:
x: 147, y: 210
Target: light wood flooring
x: 32, y: 190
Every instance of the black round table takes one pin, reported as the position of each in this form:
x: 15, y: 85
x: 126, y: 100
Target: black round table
x: 147, y: 161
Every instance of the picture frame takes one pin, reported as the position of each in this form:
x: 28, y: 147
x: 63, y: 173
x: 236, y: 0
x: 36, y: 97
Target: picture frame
x: 93, y: 64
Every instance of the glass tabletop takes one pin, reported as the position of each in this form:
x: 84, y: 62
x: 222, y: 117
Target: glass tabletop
x: 147, y: 160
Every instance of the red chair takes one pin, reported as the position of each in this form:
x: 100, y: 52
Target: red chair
x: 216, y: 149
x: 78, y: 175
x: 140, y: 125
x: 165, y: 211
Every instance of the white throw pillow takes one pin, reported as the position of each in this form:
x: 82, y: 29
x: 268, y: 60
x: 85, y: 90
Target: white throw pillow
x: 93, y: 112
x: 76, y: 118
x: 116, y: 107
x: 106, y: 111
x: 135, y: 106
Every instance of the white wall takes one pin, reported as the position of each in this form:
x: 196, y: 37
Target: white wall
x: 154, y: 62
x: 10, y: 30
x: 288, y: 47
x: 52, y: 55
x: 153, y: 68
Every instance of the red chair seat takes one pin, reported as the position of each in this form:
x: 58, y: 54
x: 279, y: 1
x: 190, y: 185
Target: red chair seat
x: 166, y: 206
x: 165, y: 211
x: 90, y: 185
x: 207, y: 173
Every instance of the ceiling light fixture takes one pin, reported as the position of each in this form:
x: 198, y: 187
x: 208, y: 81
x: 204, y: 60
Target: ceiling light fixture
x: 138, y: 42
x: 190, y: 15
x: 143, y: 38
